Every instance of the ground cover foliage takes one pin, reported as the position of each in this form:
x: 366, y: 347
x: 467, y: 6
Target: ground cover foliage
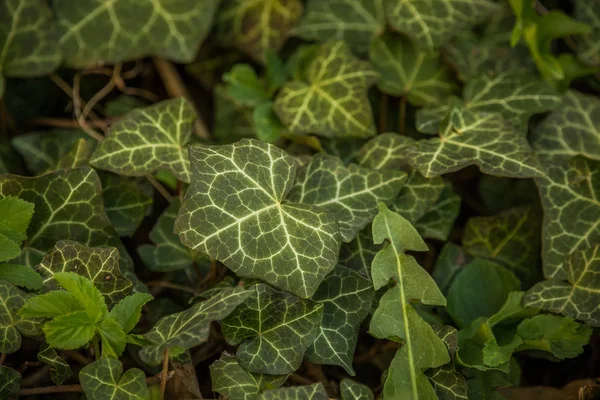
x: 287, y: 199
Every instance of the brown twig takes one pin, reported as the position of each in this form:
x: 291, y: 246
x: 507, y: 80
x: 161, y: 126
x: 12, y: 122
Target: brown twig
x: 165, y: 371
x: 2, y: 358
x: 28, y: 364
x: 77, y: 356
x: 159, y: 187
x: 172, y: 286
x: 71, y: 123
x: 300, y: 379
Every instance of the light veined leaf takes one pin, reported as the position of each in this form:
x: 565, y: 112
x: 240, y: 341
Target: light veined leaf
x: 13, y: 325
x: 350, y: 194
x: 448, y: 265
x: 104, y: 380
x: 230, y: 379
x: 148, y: 139
x: 78, y: 156
x: 273, y: 330
x: 59, y: 368
x: 354, y: 21
x: 385, y: 151
x: 418, y: 196
x: 431, y: 23
x: 259, y: 26
x: 316, y: 391
x: 448, y: 383
x: 190, y: 328
x: 588, y: 45
x: 98, y: 264
x: 439, y: 219
x: 575, y: 294
x: 10, y: 381
x: 98, y: 31
x: 569, y: 193
x: 344, y: 149
x: 351, y: 390
x: 21, y: 275
x: 395, y: 318
x: 332, y: 101
x: 235, y: 212
x: 346, y: 297
x: 406, y: 71
x: 15, y: 216
x: 572, y: 129
x: 359, y: 253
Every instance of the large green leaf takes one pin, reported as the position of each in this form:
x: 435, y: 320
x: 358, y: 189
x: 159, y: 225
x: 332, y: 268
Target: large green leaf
x: 346, y: 297
x: 588, y: 45
x: 10, y: 381
x: 105, y: 380
x: 148, y: 139
x: 257, y: 26
x: 350, y: 194
x: 569, y: 193
x: 351, y: 390
x: 576, y: 293
x: 13, y: 325
x: 235, y: 212
x: 439, y: 219
x: 572, y: 129
x: 98, y: 31
x: 233, y: 381
x: 385, y: 151
x: 189, y: 328
x: 354, y: 21
x: 431, y: 23
x: 406, y: 71
x: 332, y: 100
x: 59, y: 368
x: 359, y: 253
x: 273, y: 330
x: 418, y: 196
x: 98, y: 264
x: 316, y: 391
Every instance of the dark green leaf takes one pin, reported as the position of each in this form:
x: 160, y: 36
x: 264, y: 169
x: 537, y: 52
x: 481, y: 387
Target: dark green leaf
x: 105, y: 380
x: 439, y: 219
x: 418, y: 196
x: 21, y: 275
x: 588, y: 45
x: 13, y: 325
x: 448, y: 384
x: 385, y: 151
x: 450, y: 262
x: 316, y: 391
x: 351, y: 390
x: 359, y: 253
x: 59, y: 368
x: 10, y: 381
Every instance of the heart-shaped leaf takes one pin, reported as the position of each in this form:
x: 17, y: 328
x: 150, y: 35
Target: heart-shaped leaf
x: 10, y: 381
x: 13, y: 325
x: 59, y: 368
x: 105, y: 380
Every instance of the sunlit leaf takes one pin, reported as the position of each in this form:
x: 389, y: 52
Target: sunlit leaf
x: 128, y: 311
x: 59, y: 368
x: 13, y: 325
x: 105, y: 380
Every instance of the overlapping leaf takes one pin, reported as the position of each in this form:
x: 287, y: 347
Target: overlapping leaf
x: 15, y: 215
x: 316, y: 391
x: 406, y: 71
x: 258, y: 26
x: 346, y: 297
x: 148, y: 139
x: 351, y: 390
x: 10, y: 381
x: 332, y: 101
x: 439, y: 219
x: 13, y: 325
x: 105, y: 380
x: 273, y: 330
x: 385, y: 151
x: 588, y: 45
x: 190, y: 328
x: 360, y: 252
x: 59, y: 368
x: 418, y: 196
x: 350, y: 194
x: 97, y: 31
x: 234, y: 212
x: 448, y: 265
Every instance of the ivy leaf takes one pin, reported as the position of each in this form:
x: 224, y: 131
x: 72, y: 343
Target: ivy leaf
x: 359, y: 253
x: 354, y: 21
x: 273, y: 329
x: 418, y: 196
x: 578, y: 296
x: 12, y: 325
x: 346, y: 297
x: 351, y: 390
x: 332, y: 101
x: 572, y: 129
x: 59, y: 368
x: 148, y: 139
x: 104, y: 380
x: 233, y: 381
x: 189, y: 328
x: 439, y: 219
x: 569, y: 193
x: 21, y: 275
x: 316, y: 391
x: 484, y: 140
x: 10, y: 382
x: 588, y: 45
x: 237, y: 193
x: 257, y: 27
x: 98, y: 264
x: 70, y: 331
x: 350, y: 194
x: 15, y: 215
x: 448, y: 384
x: 128, y: 311
x: 406, y: 71
x: 124, y: 30
x: 385, y: 151
x: 449, y: 264
x: 431, y: 23
x: 511, y: 238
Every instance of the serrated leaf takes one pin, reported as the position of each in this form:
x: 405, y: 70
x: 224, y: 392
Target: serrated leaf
x: 448, y: 384
x: 351, y: 390
x: 257, y: 27
x: 105, y: 380
x: 85, y: 292
x: 406, y: 71
x: 10, y: 381
x: 359, y: 253
x: 70, y: 331
x: 385, y: 151
x: 234, y: 212
x: 78, y: 156
x: 418, y: 196
x: 148, y: 139
x: 59, y: 368
x: 191, y: 327
x: 273, y: 330
x: 129, y: 310
x: 15, y: 215
x: 439, y: 219
x: 231, y: 380
x: 98, y: 264
x: 431, y: 23
x: 578, y: 296
x: 450, y: 262
x: 21, y: 275
x: 316, y: 391
x: 112, y: 336
x: 96, y: 31
x: 12, y: 325
x: 588, y: 45
x: 332, y: 100
x: 354, y: 21
x: 569, y: 193
x: 51, y: 304
x: 346, y: 297
x: 350, y: 194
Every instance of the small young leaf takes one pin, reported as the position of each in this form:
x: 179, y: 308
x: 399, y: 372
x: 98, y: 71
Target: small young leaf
x: 128, y: 311
x: 59, y: 368
x: 267, y: 124
x: 113, y: 337
x: 105, y: 380
x: 12, y: 325
x: 21, y: 275
x: 244, y: 87
x: 50, y: 305
x: 350, y: 390
x: 70, y: 331
x: 85, y: 292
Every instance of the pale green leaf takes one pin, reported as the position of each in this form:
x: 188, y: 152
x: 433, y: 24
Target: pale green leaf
x: 15, y: 215
x: 70, y: 331
x: 385, y: 151
x: 13, y: 325
x: 234, y: 212
x: 351, y: 390
x: 112, y: 336
x: 448, y: 384
x: 21, y: 275
x: 346, y: 297
x: 350, y: 194
x: 437, y: 223
x: 50, y: 305
x: 105, y: 380
x: 59, y: 368
x: 359, y: 253
x: 408, y: 72
x: 588, y: 45
x: 129, y: 310
x: 273, y: 330
x: 316, y: 391
x: 99, y: 32
x: 10, y: 381
x: 9, y: 249
x: 86, y: 293
x: 191, y: 327
x: 244, y: 87
x: 332, y: 101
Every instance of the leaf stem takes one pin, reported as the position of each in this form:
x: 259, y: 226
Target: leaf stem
x: 383, y: 113
x: 172, y: 286
x: 96, y: 345
x: 402, y: 118
x: 165, y: 372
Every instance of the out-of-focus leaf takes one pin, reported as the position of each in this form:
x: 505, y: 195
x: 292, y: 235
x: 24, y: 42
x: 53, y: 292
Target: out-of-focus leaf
x: 105, y: 380
x: 385, y: 151
x: 439, y: 219
x: 231, y: 121
x: 588, y: 45
x: 10, y: 380
x: 266, y: 123
x: 244, y: 87
x: 123, y: 104
x: 450, y: 262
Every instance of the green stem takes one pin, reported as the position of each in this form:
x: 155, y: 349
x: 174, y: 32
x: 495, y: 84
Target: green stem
x: 96, y: 345
x: 402, y: 120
